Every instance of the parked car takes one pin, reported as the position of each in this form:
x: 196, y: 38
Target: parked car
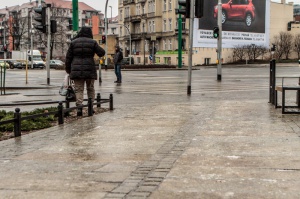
x: 242, y: 10
x: 2, y: 64
x: 15, y: 64
x: 56, y: 64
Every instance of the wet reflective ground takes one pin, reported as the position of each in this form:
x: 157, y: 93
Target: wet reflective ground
x: 223, y: 141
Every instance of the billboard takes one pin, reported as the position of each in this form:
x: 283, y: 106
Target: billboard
x: 244, y: 22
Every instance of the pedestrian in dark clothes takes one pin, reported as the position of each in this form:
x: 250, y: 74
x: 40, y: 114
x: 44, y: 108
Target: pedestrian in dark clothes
x: 80, y: 63
x: 118, y: 62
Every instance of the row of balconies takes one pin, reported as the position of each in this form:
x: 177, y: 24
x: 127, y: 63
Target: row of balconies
x: 159, y: 35
x: 126, y: 2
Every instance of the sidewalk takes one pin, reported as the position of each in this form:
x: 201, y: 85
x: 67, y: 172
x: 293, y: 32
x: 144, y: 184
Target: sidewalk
x: 223, y: 141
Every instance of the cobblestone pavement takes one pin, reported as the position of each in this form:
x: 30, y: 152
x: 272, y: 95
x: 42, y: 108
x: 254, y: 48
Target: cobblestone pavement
x: 223, y: 141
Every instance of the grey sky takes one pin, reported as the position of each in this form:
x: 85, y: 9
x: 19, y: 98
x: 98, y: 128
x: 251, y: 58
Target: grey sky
x: 97, y: 4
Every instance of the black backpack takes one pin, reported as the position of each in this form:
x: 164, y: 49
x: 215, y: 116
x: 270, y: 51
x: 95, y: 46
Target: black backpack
x: 120, y: 56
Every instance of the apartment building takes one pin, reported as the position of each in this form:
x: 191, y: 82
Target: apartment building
x: 18, y: 21
x: 152, y: 24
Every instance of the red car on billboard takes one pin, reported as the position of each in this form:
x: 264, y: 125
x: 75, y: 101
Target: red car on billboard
x: 242, y: 10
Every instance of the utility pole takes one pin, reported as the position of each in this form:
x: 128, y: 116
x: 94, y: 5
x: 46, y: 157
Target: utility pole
x: 190, y: 55
x: 219, y: 69
x: 75, y: 15
x: 31, y: 41
x: 105, y: 24
x: 48, y: 43
x: 179, y: 40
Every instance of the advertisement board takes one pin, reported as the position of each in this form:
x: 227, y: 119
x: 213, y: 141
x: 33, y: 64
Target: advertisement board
x: 244, y: 22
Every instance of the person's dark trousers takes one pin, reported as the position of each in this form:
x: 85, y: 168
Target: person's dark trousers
x: 118, y: 73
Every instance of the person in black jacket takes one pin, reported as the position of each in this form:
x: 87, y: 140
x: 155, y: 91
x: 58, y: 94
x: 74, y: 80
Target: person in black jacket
x: 118, y: 61
x: 80, y: 63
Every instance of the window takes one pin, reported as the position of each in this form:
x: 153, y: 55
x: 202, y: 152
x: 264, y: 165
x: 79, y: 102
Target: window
x: 153, y: 24
x: 127, y: 12
x: 150, y: 29
x: 165, y: 26
x: 151, y: 6
x: 138, y: 8
x: 170, y: 4
x: 121, y: 15
x: 137, y: 47
x: 137, y: 28
x: 146, y: 46
x: 170, y: 44
x: 165, y: 44
x: 165, y: 5
x: 183, y: 24
x: 170, y: 24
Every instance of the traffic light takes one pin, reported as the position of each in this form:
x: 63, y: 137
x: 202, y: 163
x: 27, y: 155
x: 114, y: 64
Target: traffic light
x: 40, y: 17
x: 53, y: 26
x: 103, y: 39
x: 216, y: 32
x: 186, y: 8
x: 199, y: 6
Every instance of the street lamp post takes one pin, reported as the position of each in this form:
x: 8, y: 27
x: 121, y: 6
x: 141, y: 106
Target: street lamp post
x: 110, y: 14
x: 2, y: 83
x: 2, y: 27
x: 31, y: 40
x: 129, y: 43
x: 105, y: 24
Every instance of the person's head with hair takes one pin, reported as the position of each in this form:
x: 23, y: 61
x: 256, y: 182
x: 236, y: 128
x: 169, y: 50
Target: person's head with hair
x: 85, y: 32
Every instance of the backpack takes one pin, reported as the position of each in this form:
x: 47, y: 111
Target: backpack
x: 120, y: 56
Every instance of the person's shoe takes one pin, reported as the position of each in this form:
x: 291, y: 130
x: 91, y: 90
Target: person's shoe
x: 116, y: 81
x: 119, y: 82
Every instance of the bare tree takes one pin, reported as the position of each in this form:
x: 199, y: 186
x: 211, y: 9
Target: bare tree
x: 251, y: 52
x: 284, y: 44
x: 239, y: 53
x: 19, y: 30
x: 58, y: 39
x: 279, y: 50
x: 297, y: 44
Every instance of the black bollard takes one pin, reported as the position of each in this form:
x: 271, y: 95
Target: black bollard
x: 17, y: 123
x: 111, y: 103
x: 98, y: 100
x: 60, y: 113
x: 90, y: 107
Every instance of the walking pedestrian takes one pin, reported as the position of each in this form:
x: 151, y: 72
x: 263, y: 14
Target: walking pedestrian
x: 80, y: 63
x: 118, y: 61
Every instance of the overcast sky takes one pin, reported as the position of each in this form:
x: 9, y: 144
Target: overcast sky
x: 96, y: 4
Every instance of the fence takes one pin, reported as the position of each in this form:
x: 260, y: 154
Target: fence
x: 61, y: 112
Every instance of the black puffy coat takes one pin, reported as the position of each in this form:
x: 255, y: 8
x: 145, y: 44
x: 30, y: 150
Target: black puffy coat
x: 80, y: 56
